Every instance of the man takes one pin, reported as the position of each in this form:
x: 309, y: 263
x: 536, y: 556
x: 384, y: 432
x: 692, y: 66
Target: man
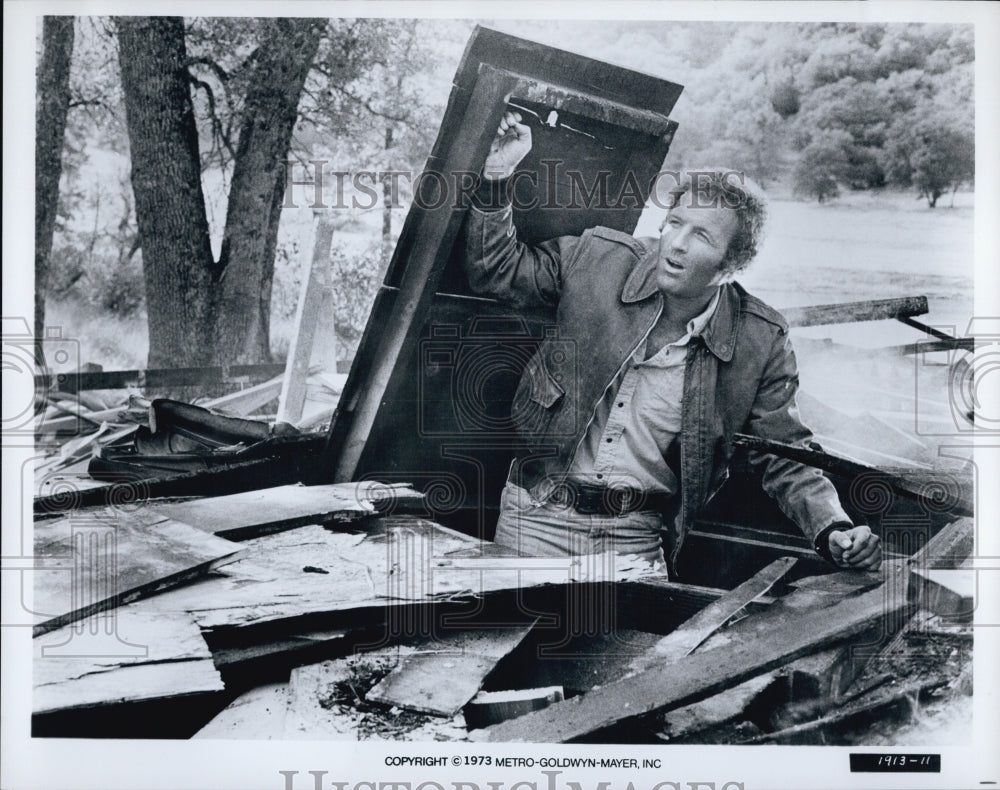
x: 632, y: 432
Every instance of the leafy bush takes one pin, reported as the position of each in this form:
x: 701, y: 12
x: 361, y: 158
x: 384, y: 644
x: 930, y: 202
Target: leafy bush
x: 88, y: 271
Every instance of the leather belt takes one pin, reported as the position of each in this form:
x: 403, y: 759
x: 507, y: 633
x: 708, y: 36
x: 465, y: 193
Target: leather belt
x: 593, y: 500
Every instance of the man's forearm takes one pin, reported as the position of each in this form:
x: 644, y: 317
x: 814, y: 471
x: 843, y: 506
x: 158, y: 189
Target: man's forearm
x: 491, y: 194
x: 499, y: 265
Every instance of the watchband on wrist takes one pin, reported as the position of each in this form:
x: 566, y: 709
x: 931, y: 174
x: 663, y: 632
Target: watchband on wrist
x: 822, y: 542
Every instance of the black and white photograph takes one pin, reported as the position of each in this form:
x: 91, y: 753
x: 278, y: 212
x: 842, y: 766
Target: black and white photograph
x: 510, y: 396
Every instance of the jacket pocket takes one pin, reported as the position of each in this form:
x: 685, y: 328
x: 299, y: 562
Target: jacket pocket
x: 536, y: 401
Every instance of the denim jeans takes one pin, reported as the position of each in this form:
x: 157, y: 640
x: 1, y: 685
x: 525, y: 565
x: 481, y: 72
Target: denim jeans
x: 554, y: 530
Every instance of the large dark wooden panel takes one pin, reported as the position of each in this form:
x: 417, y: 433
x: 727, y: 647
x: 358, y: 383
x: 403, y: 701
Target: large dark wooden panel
x: 427, y: 399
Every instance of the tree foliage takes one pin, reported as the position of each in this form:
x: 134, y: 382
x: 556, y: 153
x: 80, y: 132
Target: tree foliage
x: 902, y: 94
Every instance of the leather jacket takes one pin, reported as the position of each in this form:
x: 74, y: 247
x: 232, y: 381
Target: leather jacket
x: 740, y: 373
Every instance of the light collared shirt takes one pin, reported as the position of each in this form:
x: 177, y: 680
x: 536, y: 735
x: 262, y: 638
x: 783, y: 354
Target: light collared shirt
x: 638, y: 417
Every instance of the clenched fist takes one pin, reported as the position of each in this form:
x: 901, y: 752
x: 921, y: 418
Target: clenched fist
x: 510, y: 146
x: 856, y: 548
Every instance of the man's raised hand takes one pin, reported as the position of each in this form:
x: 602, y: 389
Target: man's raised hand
x: 510, y: 146
x: 856, y: 548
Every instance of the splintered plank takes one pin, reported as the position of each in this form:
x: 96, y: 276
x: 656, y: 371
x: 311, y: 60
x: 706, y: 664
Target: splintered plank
x: 312, y: 571
x: 88, y: 562
x: 259, y: 714
x: 821, y: 676
x: 689, y: 635
x: 444, y: 679
x: 699, y: 675
x: 254, y: 513
x: 121, y: 656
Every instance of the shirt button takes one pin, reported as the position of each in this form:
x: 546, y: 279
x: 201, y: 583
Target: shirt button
x: 621, y: 404
x: 608, y: 441
x: 600, y: 476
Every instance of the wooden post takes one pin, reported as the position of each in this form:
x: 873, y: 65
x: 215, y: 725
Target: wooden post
x: 315, y: 295
x: 849, y: 312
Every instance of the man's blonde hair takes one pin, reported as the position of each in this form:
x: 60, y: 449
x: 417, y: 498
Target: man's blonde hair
x: 715, y: 186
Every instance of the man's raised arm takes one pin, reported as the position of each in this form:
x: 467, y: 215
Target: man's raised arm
x: 496, y: 263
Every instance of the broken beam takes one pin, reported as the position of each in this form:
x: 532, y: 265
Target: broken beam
x: 850, y: 312
x: 687, y: 637
x: 699, y: 675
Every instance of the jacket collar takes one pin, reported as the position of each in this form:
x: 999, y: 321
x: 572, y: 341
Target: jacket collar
x: 719, y: 334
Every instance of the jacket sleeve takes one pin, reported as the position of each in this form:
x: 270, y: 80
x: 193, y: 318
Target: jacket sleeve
x: 499, y: 265
x: 802, y: 492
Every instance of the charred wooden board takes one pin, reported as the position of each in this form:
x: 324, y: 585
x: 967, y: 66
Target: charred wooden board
x: 313, y: 577
x: 254, y: 513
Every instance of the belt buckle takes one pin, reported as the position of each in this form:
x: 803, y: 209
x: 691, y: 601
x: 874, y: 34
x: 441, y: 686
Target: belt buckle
x: 563, y: 495
x: 617, y: 500
x: 586, y: 504
x: 583, y: 501
x: 624, y: 496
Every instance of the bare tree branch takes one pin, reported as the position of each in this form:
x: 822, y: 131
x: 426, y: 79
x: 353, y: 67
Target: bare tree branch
x: 403, y: 118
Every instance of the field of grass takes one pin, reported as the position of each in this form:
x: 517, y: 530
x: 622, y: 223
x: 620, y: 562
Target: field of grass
x: 865, y: 246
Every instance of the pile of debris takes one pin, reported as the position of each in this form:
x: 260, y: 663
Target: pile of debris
x: 341, y: 612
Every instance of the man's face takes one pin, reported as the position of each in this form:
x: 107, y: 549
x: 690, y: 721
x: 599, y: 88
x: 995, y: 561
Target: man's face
x: 693, y: 243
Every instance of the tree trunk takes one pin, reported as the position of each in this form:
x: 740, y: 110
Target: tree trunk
x: 242, y: 320
x: 50, y: 129
x: 177, y: 262
x: 386, y: 251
